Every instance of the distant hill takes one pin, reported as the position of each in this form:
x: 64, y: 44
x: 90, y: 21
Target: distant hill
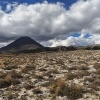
x: 89, y: 47
x: 72, y: 48
x: 61, y: 48
x: 93, y: 47
x: 24, y: 44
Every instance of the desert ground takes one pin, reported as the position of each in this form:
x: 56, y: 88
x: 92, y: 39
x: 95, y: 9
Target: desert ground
x: 62, y: 75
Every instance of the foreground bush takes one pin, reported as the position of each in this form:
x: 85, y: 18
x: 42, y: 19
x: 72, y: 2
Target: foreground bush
x: 10, y: 79
x: 72, y: 91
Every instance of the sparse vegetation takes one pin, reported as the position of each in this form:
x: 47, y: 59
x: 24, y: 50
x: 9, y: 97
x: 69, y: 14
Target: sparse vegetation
x: 10, y: 67
x: 27, y: 68
x: 60, y: 88
x: 8, y: 81
x: 37, y: 91
x: 97, y: 65
x: 72, y: 75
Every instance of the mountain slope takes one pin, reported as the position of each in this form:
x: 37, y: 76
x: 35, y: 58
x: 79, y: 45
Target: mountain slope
x: 22, y: 44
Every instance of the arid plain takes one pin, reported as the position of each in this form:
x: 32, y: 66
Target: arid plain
x: 67, y: 75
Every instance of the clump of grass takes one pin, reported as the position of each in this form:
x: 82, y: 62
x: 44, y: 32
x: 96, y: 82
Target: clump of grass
x: 28, y: 86
x: 71, y: 76
x: 49, y: 73
x: 61, y: 62
x: 83, y: 67
x: 37, y: 91
x: 7, y: 81
x: 4, y: 83
x: 71, y: 61
x: 11, y: 96
x: 28, y: 68
x: 83, y: 73
x: 72, y: 91
x: 98, y: 71
x: 97, y: 82
x: 6, y: 62
x: 40, y: 77
x: 10, y: 79
x: 10, y: 67
x: 82, y: 61
x: 93, y: 86
x: 46, y: 84
x: 90, y: 79
x: 72, y: 68
x: 2, y: 75
x: 15, y: 74
x: 96, y: 65
x: 43, y: 69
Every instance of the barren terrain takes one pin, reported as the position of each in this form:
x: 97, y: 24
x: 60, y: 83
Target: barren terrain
x: 67, y: 75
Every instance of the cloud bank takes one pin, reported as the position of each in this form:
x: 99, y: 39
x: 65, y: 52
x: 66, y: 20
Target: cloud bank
x: 51, y: 23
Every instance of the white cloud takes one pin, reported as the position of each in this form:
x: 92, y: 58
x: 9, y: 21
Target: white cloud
x: 4, y: 43
x: 46, y: 21
x: 96, y: 39
x: 8, y: 7
x: 76, y: 41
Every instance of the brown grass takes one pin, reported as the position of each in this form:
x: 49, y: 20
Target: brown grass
x: 8, y: 81
x: 71, y: 76
x: 27, y: 68
x: 96, y: 65
x: 37, y: 91
x: 72, y: 91
x: 10, y: 67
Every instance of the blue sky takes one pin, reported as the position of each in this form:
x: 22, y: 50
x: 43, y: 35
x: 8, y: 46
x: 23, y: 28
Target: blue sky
x: 67, y: 3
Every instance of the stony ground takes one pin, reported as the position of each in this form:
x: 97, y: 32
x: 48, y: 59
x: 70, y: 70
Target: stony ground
x: 70, y: 75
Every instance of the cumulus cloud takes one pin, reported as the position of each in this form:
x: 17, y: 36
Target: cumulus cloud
x: 74, y: 41
x: 50, y: 22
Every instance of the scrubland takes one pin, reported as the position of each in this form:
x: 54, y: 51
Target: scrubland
x: 67, y: 75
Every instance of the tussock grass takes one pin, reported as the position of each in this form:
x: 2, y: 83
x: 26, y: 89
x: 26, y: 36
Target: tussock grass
x: 72, y: 91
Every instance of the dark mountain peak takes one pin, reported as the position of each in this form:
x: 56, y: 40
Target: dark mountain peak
x: 24, y: 38
x: 22, y: 43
